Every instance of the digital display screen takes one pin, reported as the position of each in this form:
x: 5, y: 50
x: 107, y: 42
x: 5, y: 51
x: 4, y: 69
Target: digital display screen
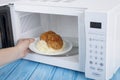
x: 97, y: 25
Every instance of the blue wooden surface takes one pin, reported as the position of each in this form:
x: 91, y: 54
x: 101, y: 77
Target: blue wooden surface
x: 29, y: 70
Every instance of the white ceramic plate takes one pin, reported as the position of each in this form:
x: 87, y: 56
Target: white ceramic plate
x: 67, y: 48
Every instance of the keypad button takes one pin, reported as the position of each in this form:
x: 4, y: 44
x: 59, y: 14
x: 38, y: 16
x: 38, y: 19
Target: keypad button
x: 101, y: 64
x: 91, y: 62
x: 101, y: 47
x: 91, y: 67
x: 96, y: 58
x: 96, y: 74
x: 100, y: 70
x: 95, y: 63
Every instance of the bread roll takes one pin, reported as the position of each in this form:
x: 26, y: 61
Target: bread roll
x: 44, y: 36
x: 52, y: 39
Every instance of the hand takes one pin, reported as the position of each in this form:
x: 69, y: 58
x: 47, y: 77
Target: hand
x: 22, y: 47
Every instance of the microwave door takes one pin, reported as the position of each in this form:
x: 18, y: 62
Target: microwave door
x: 0, y: 41
x: 6, y: 35
x: 3, y: 33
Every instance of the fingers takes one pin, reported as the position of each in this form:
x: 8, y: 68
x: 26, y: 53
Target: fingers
x: 26, y: 52
x: 30, y: 40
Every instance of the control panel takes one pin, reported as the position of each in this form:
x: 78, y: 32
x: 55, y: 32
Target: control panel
x: 95, y: 55
x: 95, y: 67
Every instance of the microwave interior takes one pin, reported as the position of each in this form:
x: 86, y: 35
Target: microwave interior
x: 67, y: 26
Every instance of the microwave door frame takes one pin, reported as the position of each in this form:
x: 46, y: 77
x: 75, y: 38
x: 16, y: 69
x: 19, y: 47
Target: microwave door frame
x: 6, y: 27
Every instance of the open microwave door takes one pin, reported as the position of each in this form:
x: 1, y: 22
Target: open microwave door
x: 6, y: 27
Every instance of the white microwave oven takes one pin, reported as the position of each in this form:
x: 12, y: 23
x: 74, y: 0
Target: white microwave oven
x: 92, y: 26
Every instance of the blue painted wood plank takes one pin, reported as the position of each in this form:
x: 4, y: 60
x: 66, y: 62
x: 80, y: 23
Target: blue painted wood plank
x: 28, y: 70
x: 47, y: 72
x: 23, y: 71
x: 64, y: 74
x: 6, y: 70
x: 43, y: 72
x: 81, y: 76
x: 116, y: 75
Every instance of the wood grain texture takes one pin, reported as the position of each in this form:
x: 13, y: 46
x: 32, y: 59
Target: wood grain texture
x: 23, y: 71
x: 29, y: 70
x: 8, y: 69
x: 43, y: 72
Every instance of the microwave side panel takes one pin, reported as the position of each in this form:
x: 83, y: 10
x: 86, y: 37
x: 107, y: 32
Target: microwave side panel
x: 110, y: 45
x: 117, y: 42
x: 114, y: 39
x: 112, y: 42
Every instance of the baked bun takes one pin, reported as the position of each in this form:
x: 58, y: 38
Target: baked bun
x: 44, y: 36
x: 52, y: 39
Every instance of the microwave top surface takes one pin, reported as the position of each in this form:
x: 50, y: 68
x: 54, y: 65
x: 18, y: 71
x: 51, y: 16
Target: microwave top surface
x: 90, y: 5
